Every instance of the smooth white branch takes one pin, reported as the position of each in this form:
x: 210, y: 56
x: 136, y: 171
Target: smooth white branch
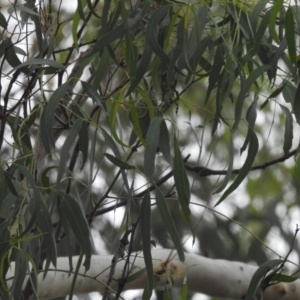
x: 214, y: 277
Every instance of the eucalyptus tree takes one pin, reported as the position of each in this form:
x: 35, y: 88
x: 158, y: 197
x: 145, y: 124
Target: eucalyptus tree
x: 158, y: 123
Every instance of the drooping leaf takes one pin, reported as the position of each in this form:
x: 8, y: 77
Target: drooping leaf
x: 11, y: 57
x: 141, y: 68
x: 91, y: 8
x: 119, y: 163
x: 38, y: 61
x: 139, y: 116
x: 101, y: 68
x: 146, y: 242
x: 4, y: 242
x: 296, y: 104
x: 47, y: 117
x: 216, y: 69
x: 152, y: 140
x: 286, y: 278
x: 35, y: 201
x: 117, y: 154
x: 79, y: 226
x: 290, y: 34
x: 21, y: 270
x: 65, y: 150
x: 288, y: 131
x: 117, y: 32
x: 181, y: 182
x: 80, y: 7
x: 289, y: 92
x: 151, y: 33
x: 252, y: 151
x: 169, y: 222
x: 3, y: 22
x: 278, y: 4
x: 92, y: 92
x: 245, y: 88
x: 251, y: 118
x: 254, y: 291
x: 164, y: 142
x: 84, y: 142
x: 46, y: 228
x: 229, y: 168
x: 255, y: 13
x: 113, y: 118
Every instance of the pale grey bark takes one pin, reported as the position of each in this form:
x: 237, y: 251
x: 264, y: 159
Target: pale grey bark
x: 214, y: 277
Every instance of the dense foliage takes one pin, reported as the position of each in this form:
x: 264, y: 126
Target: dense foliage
x: 139, y: 118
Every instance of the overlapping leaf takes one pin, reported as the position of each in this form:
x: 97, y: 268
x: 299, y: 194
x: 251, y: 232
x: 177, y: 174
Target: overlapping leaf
x: 78, y: 224
x: 181, y: 182
x: 169, y: 222
x: 146, y: 241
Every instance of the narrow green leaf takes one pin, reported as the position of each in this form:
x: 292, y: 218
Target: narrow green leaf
x: 119, y: 31
x: 92, y: 10
x: 46, y: 228
x: 252, y: 151
x: 23, y: 8
x: 113, y: 120
x: 289, y: 92
x: 290, y: 34
x: 151, y: 33
x: 278, y: 90
x: 11, y: 57
x: 84, y: 143
x: 3, y: 22
x: 181, y: 182
x: 67, y: 146
x: 119, y: 163
x: 4, y: 242
x: 296, y: 104
x: 79, y: 226
x: 151, y: 146
x: 251, y: 118
x: 141, y: 68
x: 101, y: 68
x: 80, y: 7
x: 229, y: 168
x: 278, y: 4
x: 92, y: 92
x: 117, y: 154
x: 38, y: 61
x: 79, y: 15
x: 45, y: 179
x: 260, y: 33
x: 47, y: 117
x: 164, y: 142
x: 286, y: 278
x: 146, y: 241
x: 216, y: 69
x: 140, y: 123
x: 21, y: 270
x: 35, y: 201
x: 169, y: 222
x: 260, y: 273
x: 288, y: 131
x: 9, y: 183
x: 255, y: 13
x: 245, y: 88
x: 6, y: 205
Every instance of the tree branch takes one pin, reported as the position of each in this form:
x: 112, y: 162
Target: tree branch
x: 204, y: 172
x: 214, y: 277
